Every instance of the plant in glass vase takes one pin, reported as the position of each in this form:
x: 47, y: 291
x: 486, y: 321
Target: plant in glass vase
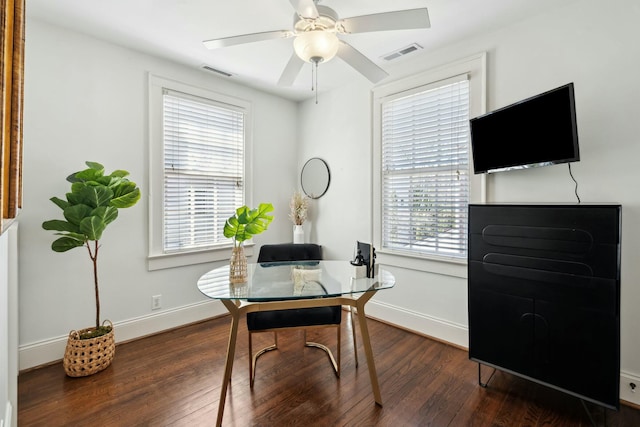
x: 242, y: 226
x: 299, y: 210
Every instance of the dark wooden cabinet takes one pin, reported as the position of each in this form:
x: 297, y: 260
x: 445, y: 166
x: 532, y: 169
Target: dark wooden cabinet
x: 544, y: 295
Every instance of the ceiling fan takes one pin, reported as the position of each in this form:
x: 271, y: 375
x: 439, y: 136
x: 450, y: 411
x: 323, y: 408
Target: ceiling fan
x: 316, y: 29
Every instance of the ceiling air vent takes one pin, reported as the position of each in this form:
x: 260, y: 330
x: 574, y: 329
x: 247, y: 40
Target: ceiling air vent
x: 401, y: 52
x: 215, y: 70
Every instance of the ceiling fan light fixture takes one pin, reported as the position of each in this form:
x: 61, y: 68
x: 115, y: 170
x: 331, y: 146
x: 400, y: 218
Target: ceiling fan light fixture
x: 316, y: 45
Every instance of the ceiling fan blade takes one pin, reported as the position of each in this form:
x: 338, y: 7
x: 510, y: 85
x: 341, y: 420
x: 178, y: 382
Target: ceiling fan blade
x: 360, y: 63
x: 291, y: 71
x: 398, y: 20
x: 305, y: 8
x: 247, y: 38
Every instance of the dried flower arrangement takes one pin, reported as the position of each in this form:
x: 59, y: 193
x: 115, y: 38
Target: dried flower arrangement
x: 299, y: 208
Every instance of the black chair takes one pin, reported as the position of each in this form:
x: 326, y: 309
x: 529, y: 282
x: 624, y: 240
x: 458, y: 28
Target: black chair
x: 307, y: 318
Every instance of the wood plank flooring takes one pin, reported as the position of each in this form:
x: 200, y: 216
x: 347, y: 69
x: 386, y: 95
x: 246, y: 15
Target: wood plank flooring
x: 173, y: 379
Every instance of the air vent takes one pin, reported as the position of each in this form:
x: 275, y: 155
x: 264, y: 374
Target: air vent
x: 215, y: 70
x: 401, y: 52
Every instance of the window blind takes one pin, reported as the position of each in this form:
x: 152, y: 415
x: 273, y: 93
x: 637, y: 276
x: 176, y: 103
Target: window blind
x: 203, y: 170
x: 425, y: 170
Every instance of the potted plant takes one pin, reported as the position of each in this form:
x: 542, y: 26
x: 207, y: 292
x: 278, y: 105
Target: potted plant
x: 242, y: 226
x: 90, y: 206
x: 299, y: 209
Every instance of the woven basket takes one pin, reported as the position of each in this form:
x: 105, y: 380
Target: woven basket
x: 88, y: 356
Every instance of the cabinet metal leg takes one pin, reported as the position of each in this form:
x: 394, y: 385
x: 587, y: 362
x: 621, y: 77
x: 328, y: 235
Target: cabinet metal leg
x: 484, y: 385
x: 593, y: 422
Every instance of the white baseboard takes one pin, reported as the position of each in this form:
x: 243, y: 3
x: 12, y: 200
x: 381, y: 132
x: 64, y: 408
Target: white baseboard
x: 52, y: 350
x: 628, y: 394
x: 8, y: 412
x: 420, y: 323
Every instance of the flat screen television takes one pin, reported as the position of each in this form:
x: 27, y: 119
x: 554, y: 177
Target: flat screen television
x: 538, y: 131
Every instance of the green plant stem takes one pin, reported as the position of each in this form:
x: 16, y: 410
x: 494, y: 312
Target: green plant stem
x: 94, y: 259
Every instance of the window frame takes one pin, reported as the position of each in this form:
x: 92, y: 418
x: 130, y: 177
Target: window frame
x: 157, y: 258
x: 475, y: 67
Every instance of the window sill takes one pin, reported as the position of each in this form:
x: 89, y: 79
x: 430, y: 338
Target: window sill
x: 448, y: 267
x: 164, y: 261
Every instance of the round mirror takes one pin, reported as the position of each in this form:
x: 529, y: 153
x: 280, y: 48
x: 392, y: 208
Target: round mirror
x: 315, y: 178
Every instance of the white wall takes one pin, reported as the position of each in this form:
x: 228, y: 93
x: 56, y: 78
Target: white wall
x: 9, y: 326
x: 87, y: 100
x: 591, y: 44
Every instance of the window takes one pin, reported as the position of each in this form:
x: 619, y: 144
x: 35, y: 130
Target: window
x: 425, y: 170
x: 203, y: 170
x: 198, y: 150
x: 422, y: 160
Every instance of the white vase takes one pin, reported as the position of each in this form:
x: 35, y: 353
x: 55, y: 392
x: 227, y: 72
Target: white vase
x: 298, y: 234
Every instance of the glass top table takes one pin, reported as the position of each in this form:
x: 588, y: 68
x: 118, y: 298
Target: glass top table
x: 290, y: 285
x: 291, y: 280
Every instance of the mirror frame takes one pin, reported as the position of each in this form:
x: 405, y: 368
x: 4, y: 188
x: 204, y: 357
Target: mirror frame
x: 302, y: 177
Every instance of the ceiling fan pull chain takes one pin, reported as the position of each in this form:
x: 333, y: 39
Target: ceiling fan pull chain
x: 316, y: 82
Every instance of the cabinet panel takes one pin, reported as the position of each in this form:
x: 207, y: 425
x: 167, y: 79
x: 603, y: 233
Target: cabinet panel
x: 600, y: 259
x: 601, y: 221
x: 580, y: 351
x: 504, y: 335
x: 585, y: 292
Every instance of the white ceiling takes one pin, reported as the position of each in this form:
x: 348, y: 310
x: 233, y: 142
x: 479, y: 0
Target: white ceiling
x: 175, y: 29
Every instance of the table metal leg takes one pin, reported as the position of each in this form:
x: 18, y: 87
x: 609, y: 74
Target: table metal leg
x: 231, y: 351
x: 353, y: 332
x: 366, y: 342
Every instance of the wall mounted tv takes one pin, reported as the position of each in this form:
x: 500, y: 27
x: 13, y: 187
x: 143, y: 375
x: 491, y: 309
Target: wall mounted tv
x: 538, y: 131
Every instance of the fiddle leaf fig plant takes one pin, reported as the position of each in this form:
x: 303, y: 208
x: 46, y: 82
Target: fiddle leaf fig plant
x: 246, y: 223
x: 90, y: 206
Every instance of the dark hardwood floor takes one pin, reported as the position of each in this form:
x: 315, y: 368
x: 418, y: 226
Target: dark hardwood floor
x: 173, y: 379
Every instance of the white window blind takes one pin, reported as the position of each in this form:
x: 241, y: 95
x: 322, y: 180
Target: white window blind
x: 425, y: 170
x: 203, y: 170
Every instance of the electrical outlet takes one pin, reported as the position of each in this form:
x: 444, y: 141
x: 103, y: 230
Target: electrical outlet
x: 156, y: 302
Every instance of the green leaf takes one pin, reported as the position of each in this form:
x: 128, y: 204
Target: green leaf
x: 89, y: 174
x: 108, y: 181
x: 75, y: 214
x: 75, y: 235
x: 254, y: 228
x: 96, y: 196
x: 63, y: 244
x: 242, y: 234
x: 62, y: 204
x: 242, y: 213
x: 263, y: 210
x: 92, y: 227
x: 59, y: 225
x: 120, y: 173
x: 95, y: 165
x: 107, y: 214
x: 248, y: 222
x: 74, y: 197
x: 230, y: 227
x: 128, y: 198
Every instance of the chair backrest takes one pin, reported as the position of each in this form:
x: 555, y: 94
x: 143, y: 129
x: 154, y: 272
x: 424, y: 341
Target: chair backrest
x: 290, y: 252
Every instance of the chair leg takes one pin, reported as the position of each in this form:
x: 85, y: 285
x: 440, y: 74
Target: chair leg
x: 353, y: 333
x: 253, y: 359
x: 250, y: 360
x: 339, y: 335
x: 336, y: 365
